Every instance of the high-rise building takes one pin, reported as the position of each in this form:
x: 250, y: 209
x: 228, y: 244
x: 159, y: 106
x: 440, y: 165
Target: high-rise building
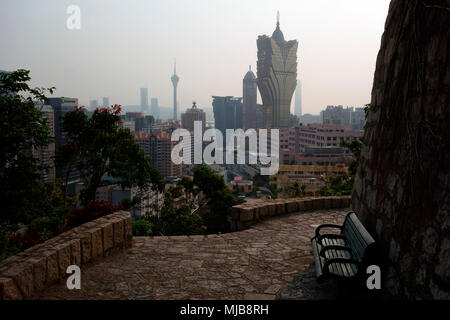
x: 105, y: 102
x: 249, y: 94
x: 191, y: 115
x: 128, y: 124
x: 154, y: 108
x: 355, y: 117
x: 228, y: 113
x: 93, y: 104
x: 144, y: 123
x: 144, y: 100
x: 298, y: 99
x: 161, y: 147
x: 175, y: 80
x: 46, y: 154
x: 60, y: 107
x: 308, y: 118
x: 277, y: 76
x: 143, y: 140
x: 133, y: 115
x: 358, y: 119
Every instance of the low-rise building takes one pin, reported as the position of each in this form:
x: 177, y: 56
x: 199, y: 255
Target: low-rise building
x: 242, y: 186
x: 313, y: 176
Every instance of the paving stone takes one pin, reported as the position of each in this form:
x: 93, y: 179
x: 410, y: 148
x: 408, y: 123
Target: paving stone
x: 270, y: 260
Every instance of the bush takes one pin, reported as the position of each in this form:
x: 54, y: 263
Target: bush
x: 20, y: 241
x: 49, y: 226
x: 176, y: 221
x: 4, y: 243
x: 141, y: 227
x: 93, y: 210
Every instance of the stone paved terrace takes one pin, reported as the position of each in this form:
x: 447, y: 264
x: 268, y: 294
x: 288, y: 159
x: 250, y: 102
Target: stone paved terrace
x: 262, y: 262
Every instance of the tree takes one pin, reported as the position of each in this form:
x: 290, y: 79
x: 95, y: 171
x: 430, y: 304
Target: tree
x: 175, y: 221
x: 220, y: 200
x: 98, y: 146
x: 188, y: 185
x: 296, y: 189
x: 22, y: 129
x: 355, y: 147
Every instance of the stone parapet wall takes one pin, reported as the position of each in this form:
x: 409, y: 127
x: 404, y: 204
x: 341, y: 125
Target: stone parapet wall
x: 247, y: 214
x: 23, y: 275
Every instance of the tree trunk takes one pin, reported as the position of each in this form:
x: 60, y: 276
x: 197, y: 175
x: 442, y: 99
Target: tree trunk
x: 401, y: 190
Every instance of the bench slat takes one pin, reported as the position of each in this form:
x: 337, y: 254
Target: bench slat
x: 355, y: 237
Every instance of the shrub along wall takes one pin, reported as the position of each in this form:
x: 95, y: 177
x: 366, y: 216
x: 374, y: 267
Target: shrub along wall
x: 23, y: 275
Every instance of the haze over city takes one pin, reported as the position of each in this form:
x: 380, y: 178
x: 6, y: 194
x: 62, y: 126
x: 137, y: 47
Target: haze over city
x: 123, y: 46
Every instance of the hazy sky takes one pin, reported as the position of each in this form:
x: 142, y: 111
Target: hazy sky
x: 127, y: 44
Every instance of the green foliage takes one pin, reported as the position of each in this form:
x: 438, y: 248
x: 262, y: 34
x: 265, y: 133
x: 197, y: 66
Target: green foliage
x: 295, y: 190
x: 187, y: 184
x: 49, y: 226
x: 142, y: 227
x: 220, y: 200
x: 180, y: 221
x: 98, y: 146
x: 189, y: 188
x: 337, y: 186
x: 355, y: 147
x: 175, y: 191
x: 22, y: 129
x: 366, y: 110
x: 176, y: 221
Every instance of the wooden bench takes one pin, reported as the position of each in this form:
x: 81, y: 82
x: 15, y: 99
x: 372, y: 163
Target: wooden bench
x: 342, y: 255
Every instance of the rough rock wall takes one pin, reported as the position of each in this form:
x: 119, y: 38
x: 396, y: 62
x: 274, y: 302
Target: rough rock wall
x: 401, y: 190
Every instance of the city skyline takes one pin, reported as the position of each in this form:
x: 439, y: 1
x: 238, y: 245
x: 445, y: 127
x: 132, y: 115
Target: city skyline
x: 336, y: 56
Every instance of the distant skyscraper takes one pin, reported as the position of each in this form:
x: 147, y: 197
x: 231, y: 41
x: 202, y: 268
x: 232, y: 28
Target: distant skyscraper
x: 60, y: 107
x: 161, y: 147
x: 249, y: 93
x: 46, y: 154
x: 175, y: 80
x: 93, y: 104
x: 154, y: 108
x: 277, y: 75
x: 191, y: 115
x: 355, y: 117
x: 298, y: 99
x: 105, y: 102
x: 144, y: 100
x: 228, y: 113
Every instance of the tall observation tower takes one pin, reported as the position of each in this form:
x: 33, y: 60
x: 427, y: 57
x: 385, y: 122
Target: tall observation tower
x: 175, y: 80
x: 277, y: 76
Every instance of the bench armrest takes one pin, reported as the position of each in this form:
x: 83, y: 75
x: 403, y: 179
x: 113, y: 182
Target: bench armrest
x: 330, y: 236
x: 334, y: 247
x: 339, y: 260
x: 327, y: 225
